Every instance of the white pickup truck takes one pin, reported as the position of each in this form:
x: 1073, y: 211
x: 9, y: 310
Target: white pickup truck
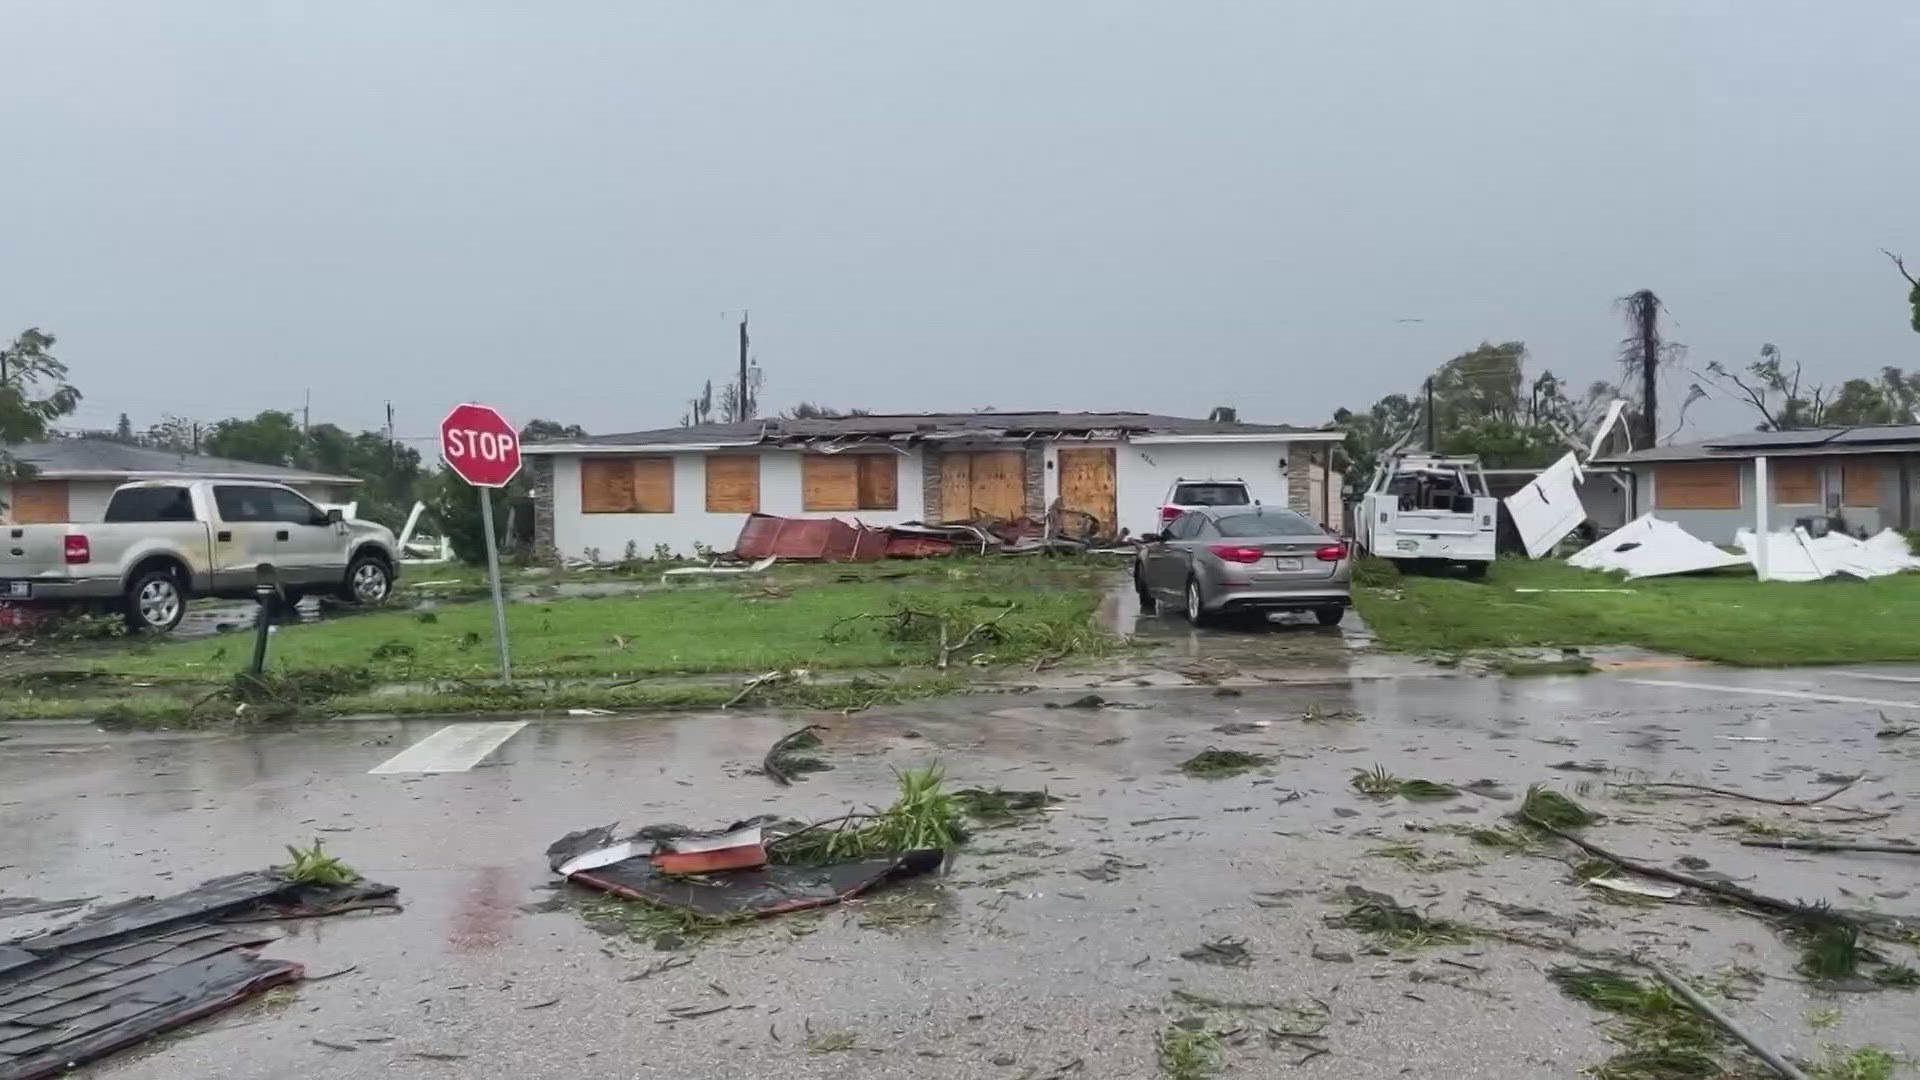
x: 1428, y: 509
x: 162, y: 542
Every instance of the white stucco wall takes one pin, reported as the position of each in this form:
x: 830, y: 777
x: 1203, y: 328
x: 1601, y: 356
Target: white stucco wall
x: 575, y: 532
x: 1143, y: 473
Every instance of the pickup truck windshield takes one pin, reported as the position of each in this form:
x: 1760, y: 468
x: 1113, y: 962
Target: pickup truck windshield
x: 1210, y: 495
x: 150, y: 504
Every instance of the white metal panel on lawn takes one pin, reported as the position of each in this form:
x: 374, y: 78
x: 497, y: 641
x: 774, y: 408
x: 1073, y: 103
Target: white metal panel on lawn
x: 1549, y: 507
x: 1650, y: 547
x: 1796, y: 556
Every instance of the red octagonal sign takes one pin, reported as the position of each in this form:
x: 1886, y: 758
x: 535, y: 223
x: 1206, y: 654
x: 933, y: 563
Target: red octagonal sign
x: 480, y: 445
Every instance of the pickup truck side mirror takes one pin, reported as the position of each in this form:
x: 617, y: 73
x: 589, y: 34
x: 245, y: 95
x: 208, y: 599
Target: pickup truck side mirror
x: 335, y: 517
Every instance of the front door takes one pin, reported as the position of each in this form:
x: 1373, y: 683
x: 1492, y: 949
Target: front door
x: 1086, y: 486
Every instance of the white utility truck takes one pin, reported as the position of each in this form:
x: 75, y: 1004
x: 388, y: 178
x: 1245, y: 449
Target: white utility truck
x: 1430, y: 509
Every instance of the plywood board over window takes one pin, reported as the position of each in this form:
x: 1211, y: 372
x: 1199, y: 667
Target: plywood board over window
x: 733, y: 483
x: 626, y: 485
x: 1795, y: 481
x: 38, y: 502
x: 1086, y: 484
x: 983, y: 484
x: 831, y: 482
x: 1697, y: 485
x: 1860, y: 480
x: 879, y: 481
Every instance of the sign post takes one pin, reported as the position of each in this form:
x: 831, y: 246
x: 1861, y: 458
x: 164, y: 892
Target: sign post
x: 480, y: 446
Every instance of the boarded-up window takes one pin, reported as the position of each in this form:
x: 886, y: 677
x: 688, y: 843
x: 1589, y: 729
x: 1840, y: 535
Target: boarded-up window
x: 879, y: 481
x: 985, y: 484
x: 1086, y: 485
x: 626, y: 485
x: 38, y: 502
x: 1697, y: 485
x: 1860, y: 481
x: 733, y: 483
x: 849, y: 481
x: 1795, y: 482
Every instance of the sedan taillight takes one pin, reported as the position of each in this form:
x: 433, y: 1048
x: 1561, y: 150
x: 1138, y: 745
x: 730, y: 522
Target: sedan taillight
x: 1331, y: 553
x: 77, y: 549
x: 1168, y: 513
x: 1237, y: 553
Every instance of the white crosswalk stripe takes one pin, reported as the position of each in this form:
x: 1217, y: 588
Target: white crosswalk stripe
x: 454, y: 748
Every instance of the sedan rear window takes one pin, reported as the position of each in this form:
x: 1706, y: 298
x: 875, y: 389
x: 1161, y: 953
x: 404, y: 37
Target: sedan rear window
x: 1210, y: 495
x: 150, y: 504
x: 1267, y: 523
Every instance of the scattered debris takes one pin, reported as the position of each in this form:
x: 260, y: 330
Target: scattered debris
x: 1243, y: 727
x: 1755, y: 798
x: 129, y: 971
x: 1216, y: 764
x: 1392, y: 923
x: 1378, y: 781
x: 313, y: 866
x: 1188, y: 1050
x: 1893, y: 847
x: 1634, y: 888
x: 1650, y: 547
x: 1002, y: 805
x: 785, y: 759
x: 1224, y: 952
x: 766, y: 680
x: 1547, y: 807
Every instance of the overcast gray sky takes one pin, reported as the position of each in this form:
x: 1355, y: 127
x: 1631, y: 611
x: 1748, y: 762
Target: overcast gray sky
x: 1157, y: 206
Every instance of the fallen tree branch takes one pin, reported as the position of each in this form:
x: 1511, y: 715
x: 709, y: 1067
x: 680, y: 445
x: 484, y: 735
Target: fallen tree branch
x: 1757, y: 798
x: 1706, y: 1009
x: 1661, y: 873
x: 771, y: 763
x: 771, y: 678
x: 1832, y: 845
x: 947, y: 651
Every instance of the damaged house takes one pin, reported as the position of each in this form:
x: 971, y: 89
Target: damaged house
x: 1861, y: 478
x: 692, y: 487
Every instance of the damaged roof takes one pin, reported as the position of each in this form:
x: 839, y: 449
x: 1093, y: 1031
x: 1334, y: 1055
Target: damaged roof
x: 59, y: 459
x: 914, y: 427
x: 1860, y: 439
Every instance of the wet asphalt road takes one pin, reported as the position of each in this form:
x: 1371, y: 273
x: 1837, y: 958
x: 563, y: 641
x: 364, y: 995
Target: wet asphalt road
x: 1027, y: 965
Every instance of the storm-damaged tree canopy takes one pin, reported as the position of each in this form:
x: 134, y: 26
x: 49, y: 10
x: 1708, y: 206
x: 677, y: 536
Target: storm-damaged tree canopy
x: 1485, y: 404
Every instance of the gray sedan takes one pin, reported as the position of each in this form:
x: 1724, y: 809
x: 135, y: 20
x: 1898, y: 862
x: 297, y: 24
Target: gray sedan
x: 1215, y: 561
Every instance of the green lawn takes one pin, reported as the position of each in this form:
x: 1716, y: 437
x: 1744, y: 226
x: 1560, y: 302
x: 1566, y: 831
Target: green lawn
x: 784, y: 621
x: 617, y: 651
x: 1725, y: 615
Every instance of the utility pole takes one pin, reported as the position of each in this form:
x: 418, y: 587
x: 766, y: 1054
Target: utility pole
x: 743, y: 403
x: 1433, y: 442
x: 306, y: 411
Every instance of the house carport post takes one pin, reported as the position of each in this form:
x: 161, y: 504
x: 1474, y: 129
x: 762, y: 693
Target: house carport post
x: 1760, y: 518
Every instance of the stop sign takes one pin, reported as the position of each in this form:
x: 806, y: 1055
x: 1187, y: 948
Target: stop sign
x: 480, y: 445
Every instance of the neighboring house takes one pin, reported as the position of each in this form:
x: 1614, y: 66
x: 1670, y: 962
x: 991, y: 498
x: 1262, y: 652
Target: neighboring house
x: 73, y: 478
x: 687, y: 486
x: 1863, y: 476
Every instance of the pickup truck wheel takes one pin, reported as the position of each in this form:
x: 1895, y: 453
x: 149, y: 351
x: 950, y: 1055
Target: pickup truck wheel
x: 155, y: 603
x: 1329, y: 616
x: 1474, y: 571
x: 369, y: 581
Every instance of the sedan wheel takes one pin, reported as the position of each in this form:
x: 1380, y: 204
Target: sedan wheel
x: 1196, y: 609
